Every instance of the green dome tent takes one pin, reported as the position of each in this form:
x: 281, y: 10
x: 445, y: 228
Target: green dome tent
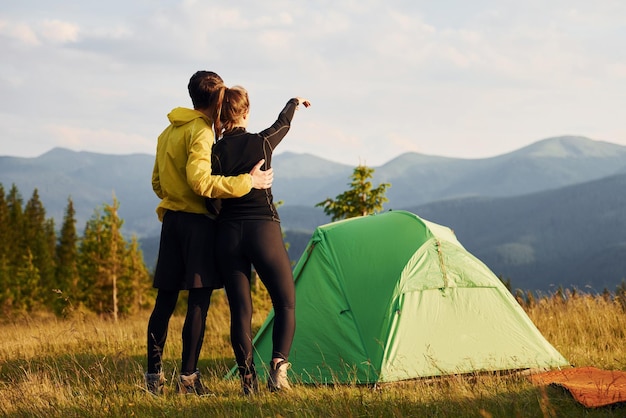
x: 391, y: 297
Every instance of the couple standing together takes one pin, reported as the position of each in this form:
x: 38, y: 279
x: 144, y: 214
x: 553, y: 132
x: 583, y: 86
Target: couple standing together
x: 218, y: 219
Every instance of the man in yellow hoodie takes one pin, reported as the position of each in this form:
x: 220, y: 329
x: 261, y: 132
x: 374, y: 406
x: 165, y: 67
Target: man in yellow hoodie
x: 182, y: 179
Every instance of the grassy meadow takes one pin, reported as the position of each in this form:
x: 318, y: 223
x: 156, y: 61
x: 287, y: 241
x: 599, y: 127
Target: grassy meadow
x: 86, y: 366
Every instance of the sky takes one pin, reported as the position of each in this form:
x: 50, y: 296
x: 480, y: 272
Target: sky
x: 449, y: 77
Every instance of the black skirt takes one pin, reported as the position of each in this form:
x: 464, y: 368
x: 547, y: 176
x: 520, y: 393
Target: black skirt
x: 186, y: 253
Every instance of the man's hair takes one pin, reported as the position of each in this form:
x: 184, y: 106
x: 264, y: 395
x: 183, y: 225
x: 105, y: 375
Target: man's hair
x: 206, y: 90
x: 203, y: 87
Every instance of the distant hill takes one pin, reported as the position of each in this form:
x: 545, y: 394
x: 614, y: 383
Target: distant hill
x: 547, y: 164
x: 571, y: 236
x: 438, y: 188
x: 91, y: 180
x: 302, y: 180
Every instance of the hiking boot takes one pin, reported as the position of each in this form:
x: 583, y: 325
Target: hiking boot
x: 249, y: 384
x: 191, y: 384
x: 277, y: 380
x: 155, y: 383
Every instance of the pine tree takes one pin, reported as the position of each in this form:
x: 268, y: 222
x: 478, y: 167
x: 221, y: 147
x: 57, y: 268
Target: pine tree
x: 116, y: 255
x: 94, y: 250
x: 67, y: 261
x: 90, y: 253
x: 49, y: 280
x: 17, y: 251
x: 15, y: 239
x: 5, y: 245
x: 5, y: 293
x: 359, y: 200
x: 40, y: 241
x: 24, y: 284
x: 135, y: 283
x: 5, y: 226
x: 102, y: 254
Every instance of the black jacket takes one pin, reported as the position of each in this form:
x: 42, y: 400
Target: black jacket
x: 237, y: 152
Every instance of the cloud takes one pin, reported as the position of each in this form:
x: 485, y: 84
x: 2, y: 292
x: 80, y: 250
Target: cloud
x: 48, y: 31
x: 447, y: 77
x: 312, y: 136
x: 20, y: 32
x: 59, y: 32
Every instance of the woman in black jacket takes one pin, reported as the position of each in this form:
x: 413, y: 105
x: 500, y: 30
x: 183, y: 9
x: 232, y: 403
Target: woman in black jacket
x: 249, y: 233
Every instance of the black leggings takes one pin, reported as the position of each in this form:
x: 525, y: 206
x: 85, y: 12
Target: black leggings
x: 260, y: 243
x: 193, y: 328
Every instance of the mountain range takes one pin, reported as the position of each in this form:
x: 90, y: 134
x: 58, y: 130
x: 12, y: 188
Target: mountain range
x: 546, y: 215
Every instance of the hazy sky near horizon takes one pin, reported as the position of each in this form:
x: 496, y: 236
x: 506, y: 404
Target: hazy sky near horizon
x: 448, y: 77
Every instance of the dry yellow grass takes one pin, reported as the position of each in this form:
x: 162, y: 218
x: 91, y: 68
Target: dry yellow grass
x: 588, y: 330
x: 87, y: 366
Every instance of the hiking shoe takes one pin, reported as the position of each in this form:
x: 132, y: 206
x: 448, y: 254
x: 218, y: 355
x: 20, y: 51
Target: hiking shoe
x: 155, y: 383
x: 249, y: 384
x: 277, y: 380
x: 191, y: 385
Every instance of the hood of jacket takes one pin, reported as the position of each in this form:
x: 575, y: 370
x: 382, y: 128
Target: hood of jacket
x: 182, y: 115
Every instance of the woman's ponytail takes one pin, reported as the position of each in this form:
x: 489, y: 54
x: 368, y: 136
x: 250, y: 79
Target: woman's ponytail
x: 235, y: 107
x: 217, y: 111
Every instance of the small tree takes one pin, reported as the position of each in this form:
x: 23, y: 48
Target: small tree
x: 40, y: 237
x: 5, y: 248
x: 67, y: 277
x: 360, y: 200
x: 135, y: 283
x: 25, y: 284
x: 14, y: 238
x: 111, y: 269
x: 6, y: 229
x: 101, y: 253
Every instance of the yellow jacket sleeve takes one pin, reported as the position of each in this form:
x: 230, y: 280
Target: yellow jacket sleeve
x: 199, y: 176
x: 156, y: 183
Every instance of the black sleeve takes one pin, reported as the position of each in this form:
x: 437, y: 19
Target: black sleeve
x: 275, y: 133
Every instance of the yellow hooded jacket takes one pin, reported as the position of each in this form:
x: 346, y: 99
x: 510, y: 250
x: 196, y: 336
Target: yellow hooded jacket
x: 182, y: 168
